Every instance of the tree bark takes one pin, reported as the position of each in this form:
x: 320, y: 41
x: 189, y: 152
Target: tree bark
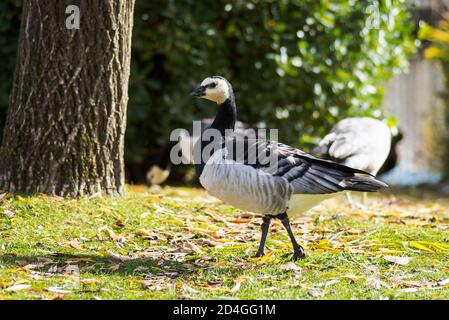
x: 64, y: 133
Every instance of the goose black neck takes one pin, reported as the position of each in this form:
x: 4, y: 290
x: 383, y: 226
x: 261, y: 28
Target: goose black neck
x: 226, y: 116
x: 224, y: 120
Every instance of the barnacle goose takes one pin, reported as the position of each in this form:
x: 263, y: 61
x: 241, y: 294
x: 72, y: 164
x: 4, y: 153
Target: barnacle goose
x: 160, y: 170
x: 361, y: 142
x: 296, y: 183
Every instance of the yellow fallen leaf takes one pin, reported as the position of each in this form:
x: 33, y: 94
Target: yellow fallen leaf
x: 174, y: 221
x: 137, y: 188
x: 419, y: 246
x: 436, y: 245
x: 146, y: 234
x: 5, y: 284
x: 266, y: 258
x: 241, y: 220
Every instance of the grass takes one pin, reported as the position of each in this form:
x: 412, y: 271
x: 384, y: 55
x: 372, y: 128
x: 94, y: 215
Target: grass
x: 179, y: 243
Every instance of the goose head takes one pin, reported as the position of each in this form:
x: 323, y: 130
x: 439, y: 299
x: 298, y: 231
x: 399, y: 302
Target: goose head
x: 216, y: 89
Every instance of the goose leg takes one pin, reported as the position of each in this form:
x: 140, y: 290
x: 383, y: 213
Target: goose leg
x: 298, y: 251
x: 349, y: 199
x: 365, y: 198
x: 265, y: 226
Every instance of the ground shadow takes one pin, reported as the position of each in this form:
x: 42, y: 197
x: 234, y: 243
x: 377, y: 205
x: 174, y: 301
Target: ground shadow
x: 97, y: 264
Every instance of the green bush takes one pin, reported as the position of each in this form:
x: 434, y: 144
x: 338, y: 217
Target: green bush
x: 295, y: 65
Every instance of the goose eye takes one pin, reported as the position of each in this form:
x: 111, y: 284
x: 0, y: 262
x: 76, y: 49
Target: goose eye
x: 212, y: 85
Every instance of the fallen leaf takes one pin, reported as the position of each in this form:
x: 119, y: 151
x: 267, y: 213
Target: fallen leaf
x: 420, y: 246
x: 443, y: 282
x: 376, y: 283
x: 144, y: 214
x: 74, y: 243
x: 314, y: 293
x: 18, y: 287
x: 5, y: 196
x: 146, y: 234
x: 89, y: 281
x: 120, y: 257
x: 266, y: 258
x: 409, y: 290
x: 397, y: 260
x: 115, y: 267
x: 121, y: 222
x: 186, y: 288
x: 290, y: 266
x: 239, y: 221
x: 237, y: 285
x: 58, y: 290
x: 10, y: 214
x: 412, y: 283
x: 193, y: 247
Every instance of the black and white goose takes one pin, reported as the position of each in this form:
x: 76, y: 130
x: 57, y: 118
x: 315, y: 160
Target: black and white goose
x: 160, y: 170
x: 360, y: 142
x: 296, y: 183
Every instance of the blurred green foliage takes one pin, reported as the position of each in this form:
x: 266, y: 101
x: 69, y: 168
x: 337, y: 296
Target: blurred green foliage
x: 296, y: 65
x: 438, y: 50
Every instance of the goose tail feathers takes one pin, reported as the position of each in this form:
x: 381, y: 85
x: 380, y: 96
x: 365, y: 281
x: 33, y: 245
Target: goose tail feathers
x: 363, y: 183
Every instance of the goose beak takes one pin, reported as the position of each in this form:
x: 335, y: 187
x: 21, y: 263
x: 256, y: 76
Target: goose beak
x: 199, y: 92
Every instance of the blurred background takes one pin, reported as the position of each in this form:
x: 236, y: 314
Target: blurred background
x: 299, y: 66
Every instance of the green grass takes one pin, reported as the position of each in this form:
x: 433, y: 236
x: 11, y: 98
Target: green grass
x: 179, y: 243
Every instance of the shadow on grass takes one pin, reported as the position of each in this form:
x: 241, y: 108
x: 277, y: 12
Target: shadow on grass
x: 102, y: 265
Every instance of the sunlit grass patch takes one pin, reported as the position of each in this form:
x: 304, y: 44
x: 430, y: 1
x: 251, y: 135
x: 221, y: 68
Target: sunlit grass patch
x: 181, y: 243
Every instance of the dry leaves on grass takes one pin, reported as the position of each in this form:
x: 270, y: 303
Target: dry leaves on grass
x: 74, y: 243
x: 9, y: 213
x: 290, y: 266
x: 18, y: 287
x: 237, y: 286
x: 397, y: 260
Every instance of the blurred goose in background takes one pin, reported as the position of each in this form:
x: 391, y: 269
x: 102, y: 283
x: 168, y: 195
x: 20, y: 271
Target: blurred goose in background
x: 160, y: 171
x: 295, y: 183
x: 361, y: 143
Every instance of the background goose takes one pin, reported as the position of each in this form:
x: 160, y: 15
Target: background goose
x: 160, y: 171
x: 295, y: 183
x: 361, y: 143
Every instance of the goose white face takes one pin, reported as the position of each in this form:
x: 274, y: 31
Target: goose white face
x: 214, y: 89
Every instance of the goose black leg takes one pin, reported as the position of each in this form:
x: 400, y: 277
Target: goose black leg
x: 298, y: 251
x: 265, y: 226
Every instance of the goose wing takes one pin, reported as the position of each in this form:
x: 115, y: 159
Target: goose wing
x: 305, y: 173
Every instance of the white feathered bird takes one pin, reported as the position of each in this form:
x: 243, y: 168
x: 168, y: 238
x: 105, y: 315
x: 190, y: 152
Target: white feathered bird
x: 360, y: 142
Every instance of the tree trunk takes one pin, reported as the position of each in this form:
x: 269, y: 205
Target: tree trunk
x: 64, y: 132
